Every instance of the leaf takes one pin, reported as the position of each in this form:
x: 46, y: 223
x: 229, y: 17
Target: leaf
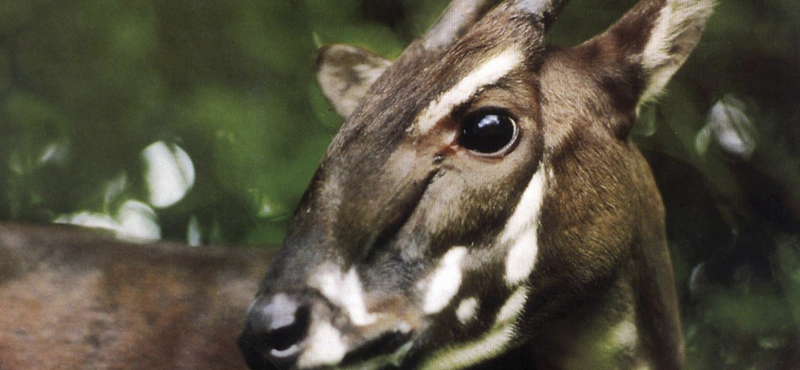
x: 730, y: 127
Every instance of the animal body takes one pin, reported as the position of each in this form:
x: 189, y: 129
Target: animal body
x: 483, y: 205
x: 73, y: 299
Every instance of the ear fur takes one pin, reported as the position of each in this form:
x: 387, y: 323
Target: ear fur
x: 345, y: 74
x: 658, y: 35
x: 677, y: 31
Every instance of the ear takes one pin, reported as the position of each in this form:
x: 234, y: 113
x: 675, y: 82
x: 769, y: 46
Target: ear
x: 656, y: 36
x: 345, y: 74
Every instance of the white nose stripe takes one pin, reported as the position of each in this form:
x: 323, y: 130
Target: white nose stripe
x: 345, y: 291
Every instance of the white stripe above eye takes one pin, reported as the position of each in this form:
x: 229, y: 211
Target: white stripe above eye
x: 489, y: 72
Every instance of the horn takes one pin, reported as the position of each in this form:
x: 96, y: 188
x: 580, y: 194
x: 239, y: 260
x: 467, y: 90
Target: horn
x: 545, y: 10
x: 459, y: 16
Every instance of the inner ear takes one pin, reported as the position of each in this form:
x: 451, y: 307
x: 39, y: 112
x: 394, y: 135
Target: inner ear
x: 345, y: 74
x: 658, y: 37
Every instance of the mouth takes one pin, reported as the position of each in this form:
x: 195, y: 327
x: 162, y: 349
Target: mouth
x: 382, y: 344
x: 320, y: 338
x: 386, y: 351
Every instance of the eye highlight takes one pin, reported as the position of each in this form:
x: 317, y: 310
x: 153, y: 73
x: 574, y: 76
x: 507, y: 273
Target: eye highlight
x: 488, y: 132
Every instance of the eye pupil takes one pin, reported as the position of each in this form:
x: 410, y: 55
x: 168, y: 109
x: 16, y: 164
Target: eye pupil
x: 487, y: 133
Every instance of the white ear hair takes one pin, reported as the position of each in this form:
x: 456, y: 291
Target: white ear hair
x: 345, y: 74
x: 676, y: 32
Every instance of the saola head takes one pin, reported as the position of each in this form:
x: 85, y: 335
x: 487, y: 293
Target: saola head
x: 482, y: 203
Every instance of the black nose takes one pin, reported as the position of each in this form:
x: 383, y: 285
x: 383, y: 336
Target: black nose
x: 274, y: 331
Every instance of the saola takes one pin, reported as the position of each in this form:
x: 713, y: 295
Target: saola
x: 483, y: 204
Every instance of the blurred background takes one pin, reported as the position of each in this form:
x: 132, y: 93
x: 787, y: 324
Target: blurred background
x: 200, y: 121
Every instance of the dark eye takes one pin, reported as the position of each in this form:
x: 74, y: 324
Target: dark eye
x: 487, y: 132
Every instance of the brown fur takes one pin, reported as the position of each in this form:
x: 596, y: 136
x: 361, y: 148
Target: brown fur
x: 75, y: 299
x: 394, y: 195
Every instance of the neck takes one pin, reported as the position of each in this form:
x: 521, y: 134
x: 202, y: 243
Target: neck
x: 597, y: 332
x: 600, y: 332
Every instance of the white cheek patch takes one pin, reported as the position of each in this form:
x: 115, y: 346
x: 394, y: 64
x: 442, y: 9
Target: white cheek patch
x: 522, y: 230
x: 491, y: 344
x: 325, y: 347
x: 445, y: 281
x: 521, y: 258
x: 616, y: 343
x: 467, y: 310
x: 344, y: 291
x: 489, y: 72
x: 624, y: 336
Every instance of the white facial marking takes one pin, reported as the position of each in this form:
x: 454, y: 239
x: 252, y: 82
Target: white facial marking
x: 380, y: 362
x: 344, y: 291
x: 522, y: 257
x: 491, y: 71
x: 624, y: 335
x: 522, y: 231
x: 677, y: 18
x: 353, y: 300
x: 467, y: 310
x: 445, y: 281
x: 513, y: 306
x: 491, y: 344
x: 325, y: 347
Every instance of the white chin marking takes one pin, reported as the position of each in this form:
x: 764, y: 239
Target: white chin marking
x: 522, y: 231
x: 513, y: 307
x: 487, y: 73
x: 445, y: 281
x: 460, y: 357
x: 325, y: 347
x: 491, y: 344
x: 376, y: 363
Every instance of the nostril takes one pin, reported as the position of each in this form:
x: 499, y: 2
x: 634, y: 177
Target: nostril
x: 273, y: 332
x: 283, y: 338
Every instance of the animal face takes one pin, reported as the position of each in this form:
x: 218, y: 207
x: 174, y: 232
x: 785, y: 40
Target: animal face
x: 482, y: 201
